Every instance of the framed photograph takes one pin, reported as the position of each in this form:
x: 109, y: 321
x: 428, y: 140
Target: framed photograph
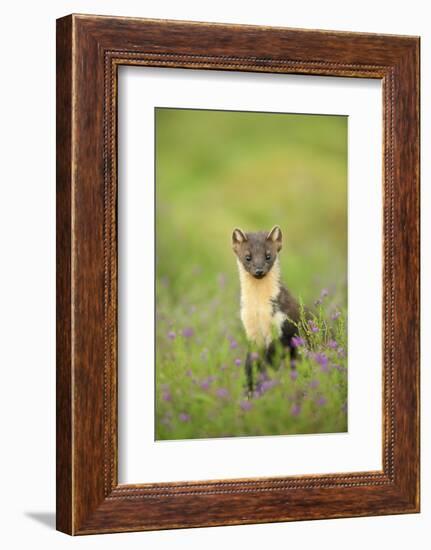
x: 237, y: 274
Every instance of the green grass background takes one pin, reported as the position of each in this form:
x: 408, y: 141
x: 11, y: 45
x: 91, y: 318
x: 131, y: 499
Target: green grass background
x: 216, y: 170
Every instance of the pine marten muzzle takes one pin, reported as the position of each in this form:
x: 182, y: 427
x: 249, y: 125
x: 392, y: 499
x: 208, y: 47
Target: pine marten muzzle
x: 269, y: 313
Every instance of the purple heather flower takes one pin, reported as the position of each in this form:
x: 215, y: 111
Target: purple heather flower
x: 297, y: 341
x: 321, y: 359
x: 167, y: 396
x: 332, y: 344
x: 238, y: 362
x: 188, y: 332
x: 246, y: 405
x: 222, y: 392
x: 321, y: 401
x: 184, y: 417
x: 293, y: 374
x: 314, y: 384
x: 267, y: 385
x: 205, y: 384
x: 335, y: 315
x: 263, y: 376
x: 295, y: 410
x: 264, y: 384
x: 233, y: 344
x: 313, y: 327
x: 171, y: 335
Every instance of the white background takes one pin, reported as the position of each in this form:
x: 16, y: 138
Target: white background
x: 27, y: 274
x: 141, y: 458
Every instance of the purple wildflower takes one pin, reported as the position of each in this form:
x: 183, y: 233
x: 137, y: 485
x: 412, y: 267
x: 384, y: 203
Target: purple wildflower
x: 222, y: 393
x: 233, y: 344
x: 295, y: 410
x: 246, y: 405
x: 264, y: 383
x: 206, y: 382
x: 171, y: 335
x: 321, y: 401
x: 297, y: 341
x: 335, y: 315
x: 267, y: 385
x: 167, y: 396
x: 238, y: 362
x: 332, y: 344
x: 341, y: 352
x: 184, y: 417
x: 263, y: 377
x: 313, y: 327
x: 188, y: 332
x: 321, y: 359
x: 293, y: 374
x: 314, y: 384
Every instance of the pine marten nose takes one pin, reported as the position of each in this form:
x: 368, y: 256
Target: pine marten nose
x: 258, y: 271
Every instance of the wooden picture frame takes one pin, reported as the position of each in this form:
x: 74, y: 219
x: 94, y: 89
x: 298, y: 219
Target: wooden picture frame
x: 89, y: 51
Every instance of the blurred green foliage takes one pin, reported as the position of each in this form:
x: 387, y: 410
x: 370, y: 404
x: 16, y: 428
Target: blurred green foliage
x: 216, y: 170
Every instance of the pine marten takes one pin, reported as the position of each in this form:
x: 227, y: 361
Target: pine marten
x: 269, y: 312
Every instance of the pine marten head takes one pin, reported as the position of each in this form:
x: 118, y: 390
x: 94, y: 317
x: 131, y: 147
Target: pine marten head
x: 257, y: 252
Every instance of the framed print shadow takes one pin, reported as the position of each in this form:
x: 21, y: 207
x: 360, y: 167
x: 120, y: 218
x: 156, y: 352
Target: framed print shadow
x: 237, y: 274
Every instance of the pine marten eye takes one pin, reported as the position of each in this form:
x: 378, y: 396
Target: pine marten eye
x: 268, y: 257
x: 248, y: 258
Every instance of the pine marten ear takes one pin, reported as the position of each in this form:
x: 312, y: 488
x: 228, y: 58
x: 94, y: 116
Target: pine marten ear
x: 275, y: 236
x: 238, y: 236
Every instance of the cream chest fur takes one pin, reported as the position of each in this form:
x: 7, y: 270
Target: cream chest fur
x: 256, y: 305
